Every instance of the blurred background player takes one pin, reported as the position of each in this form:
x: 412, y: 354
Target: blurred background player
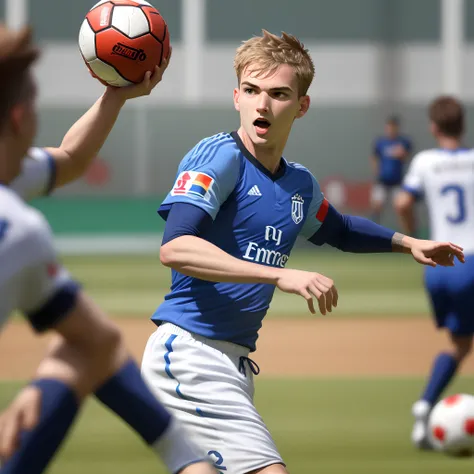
x: 390, y: 153
x: 444, y: 178
x: 89, y: 354
x: 232, y: 220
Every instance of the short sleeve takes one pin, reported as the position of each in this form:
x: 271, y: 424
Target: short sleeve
x: 44, y: 289
x: 414, y: 180
x: 206, y: 176
x: 317, y: 211
x: 37, y: 175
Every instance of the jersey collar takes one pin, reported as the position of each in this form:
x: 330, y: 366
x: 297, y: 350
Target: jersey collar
x: 273, y: 176
x: 455, y: 150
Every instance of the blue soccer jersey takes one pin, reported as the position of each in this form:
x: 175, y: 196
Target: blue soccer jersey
x: 257, y: 217
x: 390, y: 167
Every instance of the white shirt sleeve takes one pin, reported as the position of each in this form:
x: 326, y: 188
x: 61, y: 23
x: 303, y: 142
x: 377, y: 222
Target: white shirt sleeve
x: 44, y: 291
x: 414, y: 181
x: 37, y: 175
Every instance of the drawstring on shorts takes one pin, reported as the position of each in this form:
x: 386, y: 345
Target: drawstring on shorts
x: 251, y: 363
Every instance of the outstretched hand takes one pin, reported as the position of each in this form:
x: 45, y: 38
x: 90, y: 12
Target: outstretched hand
x: 428, y: 252
x: 309, y: 285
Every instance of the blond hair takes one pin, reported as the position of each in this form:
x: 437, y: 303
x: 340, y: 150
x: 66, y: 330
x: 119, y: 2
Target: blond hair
x: 17, y: 54
x: 267, y: 52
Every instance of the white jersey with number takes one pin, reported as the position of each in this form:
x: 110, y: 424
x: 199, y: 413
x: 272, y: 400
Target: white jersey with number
x: 31, y: 278
x: 37, y: 175
x: 445, y: 178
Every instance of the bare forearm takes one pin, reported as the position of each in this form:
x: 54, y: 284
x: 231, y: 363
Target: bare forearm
x: 81, y: 371
x: 87, y: 350
x: 407, y: 220
x: 85, y: 138
x: 198, y: 258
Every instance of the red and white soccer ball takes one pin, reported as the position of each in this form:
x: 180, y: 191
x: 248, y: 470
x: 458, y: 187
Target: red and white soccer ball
x: 120, y: 40
x: 451, y: 425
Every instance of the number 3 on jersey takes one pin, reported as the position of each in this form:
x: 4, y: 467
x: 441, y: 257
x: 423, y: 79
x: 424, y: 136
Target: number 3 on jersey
x: 3, y: 228
x: 460, y: 195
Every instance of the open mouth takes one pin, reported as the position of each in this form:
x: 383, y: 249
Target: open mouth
x: 261, y: 125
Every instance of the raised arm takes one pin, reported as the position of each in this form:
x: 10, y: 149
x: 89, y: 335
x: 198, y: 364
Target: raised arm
x: 86, y: 137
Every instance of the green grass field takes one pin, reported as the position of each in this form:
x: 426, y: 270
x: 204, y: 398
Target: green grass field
x: 347, y: 426
x: 368, y: 284
x: 329, y: 426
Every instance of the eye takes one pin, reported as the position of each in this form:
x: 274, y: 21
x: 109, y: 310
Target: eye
x: 280, y: 95
x: 248, y: 90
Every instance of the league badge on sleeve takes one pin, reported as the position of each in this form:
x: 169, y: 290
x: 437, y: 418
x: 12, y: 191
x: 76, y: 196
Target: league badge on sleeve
x: 297, y: 208
x: 192, y: 183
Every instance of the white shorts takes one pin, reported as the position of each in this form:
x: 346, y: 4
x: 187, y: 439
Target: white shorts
x: 201, y: 381
x: 382, y: 192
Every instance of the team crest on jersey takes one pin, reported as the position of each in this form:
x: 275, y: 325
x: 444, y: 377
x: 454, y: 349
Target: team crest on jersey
x: 192, y: 183
x: 297, y: 208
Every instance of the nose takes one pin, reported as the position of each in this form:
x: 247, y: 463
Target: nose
x: 263, y: 101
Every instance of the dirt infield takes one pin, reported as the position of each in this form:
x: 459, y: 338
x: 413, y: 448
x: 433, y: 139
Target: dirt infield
x: 320, y: 347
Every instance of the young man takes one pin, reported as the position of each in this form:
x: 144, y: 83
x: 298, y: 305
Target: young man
x: 88, y: 355
x: 390, y: 153
x: 233, y: 216
x: 444, y: 176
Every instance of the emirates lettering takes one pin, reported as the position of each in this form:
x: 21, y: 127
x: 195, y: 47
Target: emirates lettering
x: 256, y: 254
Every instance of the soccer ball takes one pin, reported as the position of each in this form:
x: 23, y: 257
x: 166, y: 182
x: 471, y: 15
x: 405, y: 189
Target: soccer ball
x: 451, y: 425
x: 120, y: 40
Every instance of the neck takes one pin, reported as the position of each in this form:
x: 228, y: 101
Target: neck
x: 5, y: 178
x: 449, y: 143
x: 268, y: 156
x: 5, y: 172
x: 11, y: 156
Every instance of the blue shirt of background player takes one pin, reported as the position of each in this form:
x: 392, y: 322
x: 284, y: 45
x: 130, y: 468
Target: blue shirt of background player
x: 257, y: 217
x: 390, y: 167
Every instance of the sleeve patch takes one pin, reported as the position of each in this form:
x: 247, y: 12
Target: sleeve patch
x: 323, y: 210
x: 192, y: 183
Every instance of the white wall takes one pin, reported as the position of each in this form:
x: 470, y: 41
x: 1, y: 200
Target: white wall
x: 345, y: 74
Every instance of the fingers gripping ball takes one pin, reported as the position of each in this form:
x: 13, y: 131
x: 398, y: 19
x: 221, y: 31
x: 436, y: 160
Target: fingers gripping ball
x: 120, y: 40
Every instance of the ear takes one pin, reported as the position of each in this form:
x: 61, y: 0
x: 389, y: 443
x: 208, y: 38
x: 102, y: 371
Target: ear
x: 16, y: 116
x: 236, y: 99
x: 305, y: 102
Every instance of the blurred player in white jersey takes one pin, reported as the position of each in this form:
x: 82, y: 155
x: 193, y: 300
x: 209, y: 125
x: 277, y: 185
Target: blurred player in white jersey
x: 89, y: 355
x: 444, y: 177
